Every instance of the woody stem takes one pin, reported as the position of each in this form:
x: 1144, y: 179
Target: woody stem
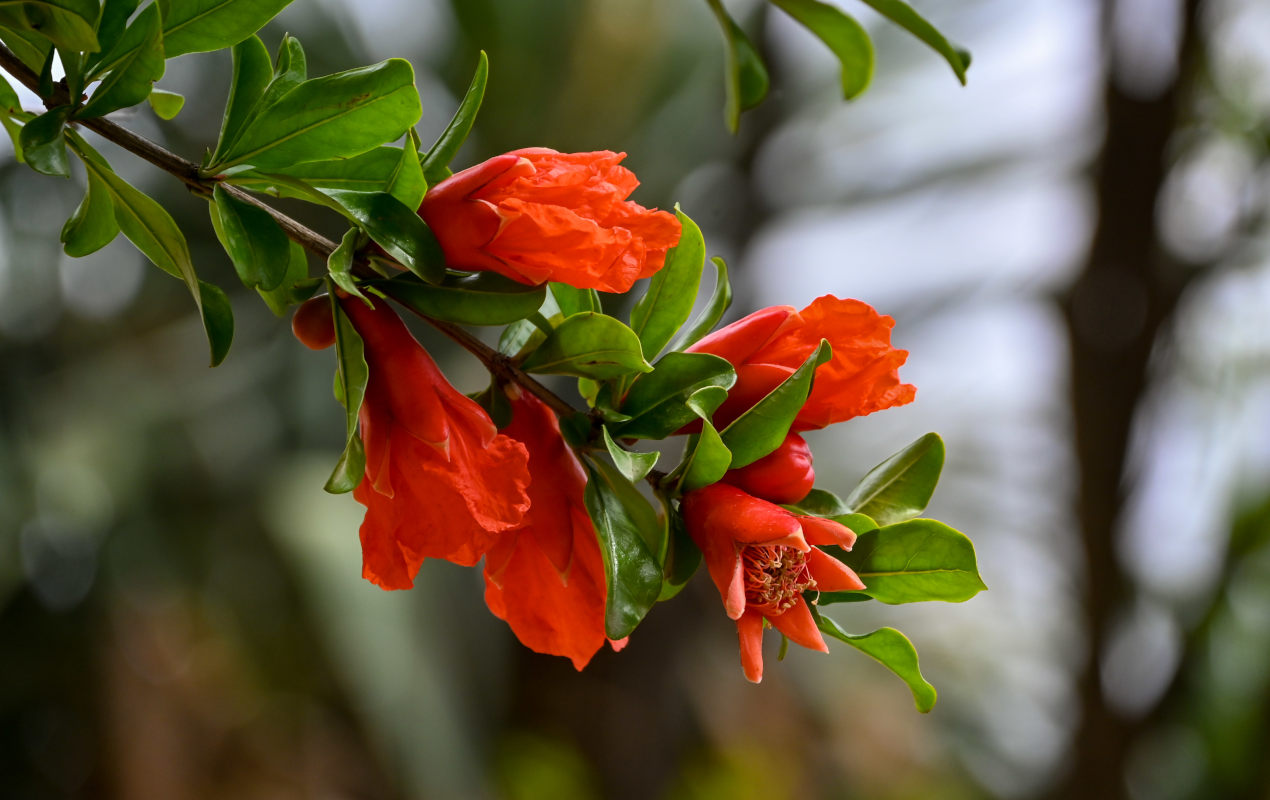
x: 192, y: 176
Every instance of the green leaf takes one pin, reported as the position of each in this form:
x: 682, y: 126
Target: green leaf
x: 257, y: 246
x: 396, y: 228
x: 93, y: 225
x: 634, y: 466
x: 218, y: 320
x: 706, y: 458
x: 199, y: 26
x: 43, y: 142
x: 589, y: 345
x: 407, y: 183
x: 894, y: 651
x: 114, y: 20
x: 351, y: 374
x: 720, y: 301
x: 339, y: 264
x: 682, y: 559
x: 657, y: 402
x: 746, y: 77
x: 289, y: 71
x: 166, y: 104
x: 667, y: 303
x: 251, y: 74
x: 27, y: 44
x: 573, y: 300
x: 371, y: 171
x: 763, y: 426
x: 281, y: 299
x: 821, y: 503
x: 344, y: 114
x: 628, y: 528
x: 903, y: 15
x: 151, y: 228
x: 9, y: 101
x: 483, y: 298
x: 69, y: 24
x: 130, y: 68
x: 436, y: 162
x: 848, y: 40
x: 912, y: 562
x: 900, y: 487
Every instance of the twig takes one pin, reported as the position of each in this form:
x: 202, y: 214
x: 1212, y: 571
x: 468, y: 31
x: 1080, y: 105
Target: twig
x: 192, y: 176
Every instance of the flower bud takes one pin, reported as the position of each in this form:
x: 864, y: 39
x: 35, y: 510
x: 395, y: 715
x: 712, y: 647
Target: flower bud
x: 313, y: 324
x: 784, y: 475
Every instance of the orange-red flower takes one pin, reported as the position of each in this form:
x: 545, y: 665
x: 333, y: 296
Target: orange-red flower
x: 546, y: 579
x: 536, y: 215
x: 761, y: 558
x: 768, y: 345
x: 440, y: 481
x: 784, y: 475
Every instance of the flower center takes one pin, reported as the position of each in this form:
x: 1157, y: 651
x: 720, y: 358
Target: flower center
x: 774, y: 577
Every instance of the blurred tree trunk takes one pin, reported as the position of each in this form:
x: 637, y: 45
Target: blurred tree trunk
x: 1122, y: 301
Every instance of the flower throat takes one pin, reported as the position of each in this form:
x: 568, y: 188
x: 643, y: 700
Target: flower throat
x: 775, y: 577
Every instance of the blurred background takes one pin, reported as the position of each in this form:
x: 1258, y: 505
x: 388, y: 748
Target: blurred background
x: 1074, y: 247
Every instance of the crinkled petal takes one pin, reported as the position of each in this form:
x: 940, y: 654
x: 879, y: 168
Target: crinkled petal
x: 819, y: 530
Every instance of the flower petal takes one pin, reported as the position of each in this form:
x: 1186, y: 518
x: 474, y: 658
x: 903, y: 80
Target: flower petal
x: 830, y: 574
x: 749, y: 630
x: 797, y: 624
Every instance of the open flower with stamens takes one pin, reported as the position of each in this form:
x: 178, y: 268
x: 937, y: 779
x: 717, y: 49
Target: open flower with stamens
x: 763, y: 558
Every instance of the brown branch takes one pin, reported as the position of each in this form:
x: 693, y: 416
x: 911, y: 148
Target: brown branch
x: 192, y: 176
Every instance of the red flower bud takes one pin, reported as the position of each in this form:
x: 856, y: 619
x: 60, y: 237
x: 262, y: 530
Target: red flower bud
x: 313, y: 324
x: 535, y: 215
x: 784, y: 475
x: 761, y: 557
x: 768, y: 345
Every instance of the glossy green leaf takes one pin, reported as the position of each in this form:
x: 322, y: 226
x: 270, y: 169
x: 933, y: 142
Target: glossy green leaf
x: 130, y: 68
x: 371, y: 171
x: 43, y: 142
x: 340, y: 115
x: 351, y: 375
x: 521, y: 337
x: 634, y: 466
x: 257, y: 246
x: 845, y: 37
x: 573, y: 300
x: 407, y: 183
x: 218, y: 320
x: 436, y: 162
x: 484, y: 298
x: 589, y: 345
x: 251, y: 74
x: 27, y: 44
x: 902, y: 14
x: 110, y: 26
x: 672, y: 291
x: 151, y: 228
x: 628, y: 530
x: 707, y: 457
x: 9, y: 100
x: 200, y: 26
x: 69, y: 24
x: 396, y: 228
x: 900, y: 487
x: 894, y: 651
x: 290, y: 69
x: 166, y: 104
x: 93, y: 225
x: 912, y: 562
x: 746, y: 77
x: 720, y: 301
x: 682, y: 558
x: 288, y: 293
x: 763, y: 426
x: 339, y: 264
x: 822, y: 503
x: 657, y: 402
